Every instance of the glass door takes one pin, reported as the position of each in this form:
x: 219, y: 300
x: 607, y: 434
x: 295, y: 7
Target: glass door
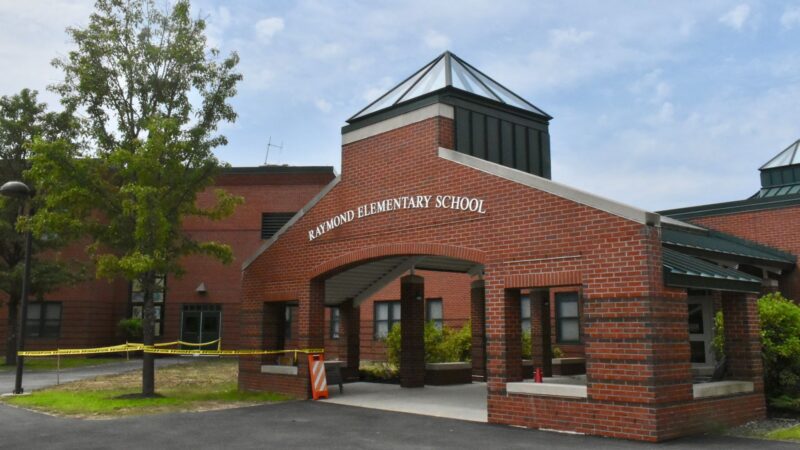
x: 201, y: 323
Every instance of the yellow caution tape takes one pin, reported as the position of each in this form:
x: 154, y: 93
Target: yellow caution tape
x: 162, y: 351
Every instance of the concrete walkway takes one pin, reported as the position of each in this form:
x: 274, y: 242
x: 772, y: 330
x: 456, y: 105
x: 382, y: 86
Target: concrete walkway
x: 32, y: 381
x: 463, y: 401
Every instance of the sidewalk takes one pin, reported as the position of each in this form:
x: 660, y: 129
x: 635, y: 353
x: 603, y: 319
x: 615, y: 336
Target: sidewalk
x: 32, y: 381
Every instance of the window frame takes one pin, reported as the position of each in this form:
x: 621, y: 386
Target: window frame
x: 158, y: 305
x: 555, y: 301
x: 334, y: 331
x: 390, y: 319
x: 41, y: 321
x: 289, y: 312
x: 522, y: 318
x: 439, y: 323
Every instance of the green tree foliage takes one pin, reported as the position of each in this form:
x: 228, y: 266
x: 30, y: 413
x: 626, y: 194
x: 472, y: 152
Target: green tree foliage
x: 444, y: 344
x: 152, y: 94
x: 23, y: 119
x: 780, y: 340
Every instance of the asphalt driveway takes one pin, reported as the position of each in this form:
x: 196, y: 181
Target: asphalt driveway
x: 308, y: 424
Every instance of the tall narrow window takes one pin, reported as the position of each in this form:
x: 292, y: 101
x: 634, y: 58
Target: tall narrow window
x: 137, y: 301
x: 386, y: 315
x: 434, y: 312
x: 43, y: 320
x: 525, y: 313
x: 335, y: 320
x: 567, y: 318
x: 290, y: 311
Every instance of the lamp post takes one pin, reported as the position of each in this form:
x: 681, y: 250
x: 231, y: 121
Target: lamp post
x: 19, y: 190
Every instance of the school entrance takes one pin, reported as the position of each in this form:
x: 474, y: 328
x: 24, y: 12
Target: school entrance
x: 450, y: 172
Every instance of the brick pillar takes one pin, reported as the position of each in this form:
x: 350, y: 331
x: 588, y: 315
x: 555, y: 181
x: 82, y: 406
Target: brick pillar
x: 503, y: 338
x: 349, y: 329
x: 478, y: 319
x: 310, y: 326
x: 742, y: 340
x: 541, y: 351
x: 412, y: 329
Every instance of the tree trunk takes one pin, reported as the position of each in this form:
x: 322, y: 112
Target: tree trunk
x: 148, y: 336
x: 11, y: 339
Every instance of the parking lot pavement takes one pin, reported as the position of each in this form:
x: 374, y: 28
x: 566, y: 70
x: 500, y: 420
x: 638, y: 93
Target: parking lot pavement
x: 32, y: 381
x: 306, y: 424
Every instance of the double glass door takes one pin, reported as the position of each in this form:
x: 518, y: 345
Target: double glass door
x: 201, y: 323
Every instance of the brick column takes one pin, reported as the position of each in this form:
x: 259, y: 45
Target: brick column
x: 310, y: 326
x: 349, y: 329
x: 412, y: 329
x: 478, y: 319
x: 742, y: 340
x: 541, y: 351
x: 503, y: 338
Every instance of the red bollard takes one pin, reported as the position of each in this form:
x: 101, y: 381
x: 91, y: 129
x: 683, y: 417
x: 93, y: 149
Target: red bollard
x: 537, y: 375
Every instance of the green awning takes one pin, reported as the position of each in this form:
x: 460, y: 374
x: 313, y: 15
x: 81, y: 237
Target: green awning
x: 715, y: 245
x: 682, y: 270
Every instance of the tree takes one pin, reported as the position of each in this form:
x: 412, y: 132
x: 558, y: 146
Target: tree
x: 153, y: 95
x: 22, y: 119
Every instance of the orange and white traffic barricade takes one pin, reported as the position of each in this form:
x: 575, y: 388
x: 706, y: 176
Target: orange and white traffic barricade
x: 319, y: 384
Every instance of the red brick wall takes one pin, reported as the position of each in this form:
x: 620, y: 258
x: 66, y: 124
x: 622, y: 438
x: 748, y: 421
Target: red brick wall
x: 635, y: 332
x: 91, y: 310
x: 778, y: 228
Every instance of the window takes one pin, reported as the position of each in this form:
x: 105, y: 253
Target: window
x: 386, y: 315
x: 272, y: 222
x: 335, y: 322
x: 43, y: 320
x: 567, y: 318
x: 525, y: 313
x: 137, y: 301
x: 434, y: 312
x: 290, y: 311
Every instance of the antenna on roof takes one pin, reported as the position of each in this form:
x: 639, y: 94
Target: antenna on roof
x: 269, y: 146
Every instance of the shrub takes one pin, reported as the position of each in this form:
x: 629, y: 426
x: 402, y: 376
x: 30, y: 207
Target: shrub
x: 780, y: 339
x: 441, y: 345
x: 718, y: 343
x: 527, y: 349
x: 130, y: 329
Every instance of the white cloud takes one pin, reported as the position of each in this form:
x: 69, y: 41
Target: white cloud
x: 323, y: 105
x: 791, y: 17
x: 267, y: 28
x: 736, y: 17
x: 436, y: 40
x: 569, y: 37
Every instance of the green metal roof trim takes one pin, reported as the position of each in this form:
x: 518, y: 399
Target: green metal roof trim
x: 681, y: 270
x: 734, y: 207
x: 713, y: 243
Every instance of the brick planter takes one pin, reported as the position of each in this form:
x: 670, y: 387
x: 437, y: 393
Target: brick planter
x: 441, y: 374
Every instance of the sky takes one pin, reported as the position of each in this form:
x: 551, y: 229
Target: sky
x: 655, y: 104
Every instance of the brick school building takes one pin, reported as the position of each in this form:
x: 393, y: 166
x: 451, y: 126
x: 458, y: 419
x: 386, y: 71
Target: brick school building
x: 449, y: 173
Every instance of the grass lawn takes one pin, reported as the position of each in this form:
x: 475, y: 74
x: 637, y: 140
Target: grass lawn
x: 788, y: 434
x: 196, y: 386
x: 42, y: 364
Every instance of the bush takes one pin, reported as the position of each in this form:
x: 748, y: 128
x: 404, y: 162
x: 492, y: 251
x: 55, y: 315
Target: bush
x: 527, y: 349
x: 718, y: 343
x: 130, y: 329
x: 441, y: 345
x: 780, y: 340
